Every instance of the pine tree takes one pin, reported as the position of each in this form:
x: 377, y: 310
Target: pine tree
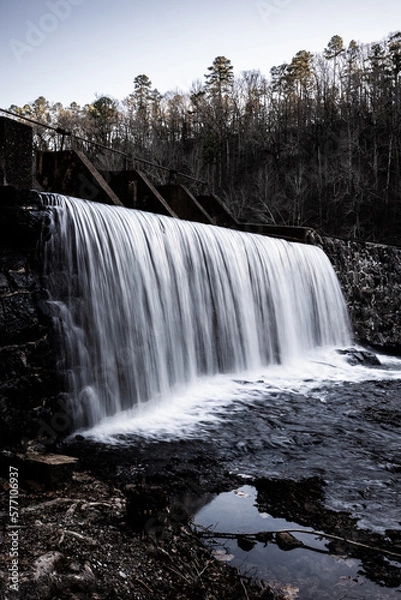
x: 220, y: 78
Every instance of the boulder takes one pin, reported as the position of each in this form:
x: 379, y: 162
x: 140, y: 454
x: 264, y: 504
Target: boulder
x: 357, y: 356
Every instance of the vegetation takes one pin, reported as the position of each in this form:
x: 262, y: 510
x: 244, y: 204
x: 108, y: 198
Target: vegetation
x: 318, y: 143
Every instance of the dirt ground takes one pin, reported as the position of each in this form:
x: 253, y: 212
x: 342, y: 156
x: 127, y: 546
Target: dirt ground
x: 96, y: 523
x: 80, y: 538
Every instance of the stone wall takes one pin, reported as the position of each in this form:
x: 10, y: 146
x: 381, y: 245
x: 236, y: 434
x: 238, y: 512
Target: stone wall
x: 370, y: 276
x: 28, y: 383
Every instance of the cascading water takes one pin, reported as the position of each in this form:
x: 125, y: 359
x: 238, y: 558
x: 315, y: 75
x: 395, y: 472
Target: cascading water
x: 145, y: 303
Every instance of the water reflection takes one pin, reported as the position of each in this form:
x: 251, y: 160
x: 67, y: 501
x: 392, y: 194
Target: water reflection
x: 318, y: 568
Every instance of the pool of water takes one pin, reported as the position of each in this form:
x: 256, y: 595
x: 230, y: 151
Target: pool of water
x: 308, y: 572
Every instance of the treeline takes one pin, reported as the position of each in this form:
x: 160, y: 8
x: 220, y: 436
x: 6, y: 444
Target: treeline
x: 317, y: 143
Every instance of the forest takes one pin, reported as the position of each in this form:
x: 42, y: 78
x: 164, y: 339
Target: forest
x: 317, y: 143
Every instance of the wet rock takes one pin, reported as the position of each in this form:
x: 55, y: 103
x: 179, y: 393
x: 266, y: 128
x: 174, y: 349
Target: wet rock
x: 264, y: 537
x: 360, y: 357
x: 245, y: 543
x: 12, y: 362
x: 2, y: 323
x: 369, y: 275
x: 271, y: 594
x: 21, y: 320
x: 293, y: 500
x: 286, y: 541
x: 23, y: 280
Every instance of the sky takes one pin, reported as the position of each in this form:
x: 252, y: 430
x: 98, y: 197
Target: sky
x: 77, y: 50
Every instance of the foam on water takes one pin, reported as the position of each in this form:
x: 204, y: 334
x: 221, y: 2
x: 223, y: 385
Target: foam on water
x: 189, y: 411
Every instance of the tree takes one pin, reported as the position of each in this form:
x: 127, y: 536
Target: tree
x: 300, y: 73
x: 139, y: 111
x: 353, y: 74
x: 218, y: 91
x: 220, y: 78
x: 394, y: 48
x: 334, y: 49
x: 316, y: 143
x: 142, y: 93
x: 103, y: 118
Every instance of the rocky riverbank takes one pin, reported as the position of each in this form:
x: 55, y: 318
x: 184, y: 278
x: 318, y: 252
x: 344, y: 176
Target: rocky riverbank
x: 76, y: 540
x: 103, y: 523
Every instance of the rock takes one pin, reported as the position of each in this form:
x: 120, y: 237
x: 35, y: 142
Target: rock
x: 20, y: 316
x: 4, y: 287
x: 360, y: 357
x: 47, y: 564
x: 12, y: 362
x: 2, y: 323
x: 84, y: 581
x: 264, y: 537
x: 271, y: 594
x: 23, y: 280
x: 51, y: 578
x: 286, y: 541
x: 245, y: 543
x: 49, y: 469
x: 370, y: 281
x: 34, y: 447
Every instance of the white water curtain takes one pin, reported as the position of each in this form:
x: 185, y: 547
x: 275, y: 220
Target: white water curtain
x: 144, y: 302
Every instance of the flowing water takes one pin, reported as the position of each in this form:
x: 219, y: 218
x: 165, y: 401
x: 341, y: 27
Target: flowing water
x: 177, y: 330
x: 148, y: 304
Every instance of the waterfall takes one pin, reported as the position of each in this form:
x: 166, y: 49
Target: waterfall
x: 144, y: 302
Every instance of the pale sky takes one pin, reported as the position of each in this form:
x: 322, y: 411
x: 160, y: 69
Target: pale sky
x: 76, y: 50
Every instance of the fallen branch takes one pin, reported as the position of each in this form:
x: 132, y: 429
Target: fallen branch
x: 83, y: 538
x: 49, y: 503
x: 257, y: 536
x: 145, y: 585
x: 63, y: 532
x: 244, y: 588
x: 177, y: 572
